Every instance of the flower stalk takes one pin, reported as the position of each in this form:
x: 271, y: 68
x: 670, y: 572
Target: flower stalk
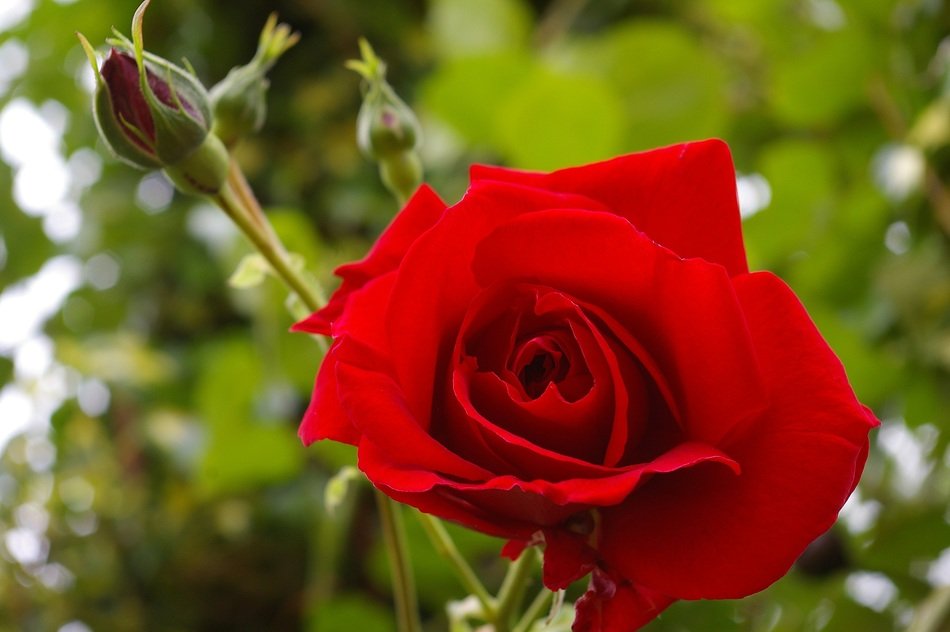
x: 445, y: 547
x: 513, y: 589
x: 387, y: 131
x: 156, y: 115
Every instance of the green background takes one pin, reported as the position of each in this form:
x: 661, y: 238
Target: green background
x: 150, y: 476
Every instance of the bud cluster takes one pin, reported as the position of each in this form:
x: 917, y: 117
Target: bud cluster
x: 154, y: 114
x: 386, y: 128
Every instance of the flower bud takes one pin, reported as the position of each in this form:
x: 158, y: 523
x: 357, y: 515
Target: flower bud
x: 385, y: 124
x: 386, y: 128
x: 239, y: 100
x: 154, y: 114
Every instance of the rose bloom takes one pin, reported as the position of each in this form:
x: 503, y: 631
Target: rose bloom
x: 582, y: 360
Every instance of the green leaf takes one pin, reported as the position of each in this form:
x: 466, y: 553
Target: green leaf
x: 338, y: 487
x: 251, y: 272
x: 347, y: 613
x: 455, y: 92
x: 556, y: 120
x: 790, y: 222
x: 247, y: 456
x: 462, y: 27
x: 243, y: 451
x: 672, y: 88
x: 823, y: 80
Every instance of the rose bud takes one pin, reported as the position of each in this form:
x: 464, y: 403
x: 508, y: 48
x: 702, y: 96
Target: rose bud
x: 583, y: 358
x: 239, y: 100
x: 153, y: 114
x: 386, y: 128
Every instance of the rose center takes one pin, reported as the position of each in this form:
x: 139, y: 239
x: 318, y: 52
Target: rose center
x: 538, y: 363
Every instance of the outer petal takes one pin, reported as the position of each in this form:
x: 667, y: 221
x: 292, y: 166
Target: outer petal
x: 376, y: 406
x: 614, y: 605
x: 435, y: 282
x: 684, y: 312
x: 683, y: 196
x: 324, y: 417
x: 702, y: 534
x: 421, y: 212
x: 509, y: 500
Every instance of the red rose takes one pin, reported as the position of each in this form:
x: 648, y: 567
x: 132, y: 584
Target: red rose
x: 584, y: 356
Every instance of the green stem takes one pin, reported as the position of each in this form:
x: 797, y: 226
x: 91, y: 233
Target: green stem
x: 513, y: 589
x: 534, y: 611
x: 933, y: 614
x: 404, y: 588
x: 273, y: 251
x: 445, y: 547
x: 237, y: 200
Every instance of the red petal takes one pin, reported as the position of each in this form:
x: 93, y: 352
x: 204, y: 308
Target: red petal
x: 615, y: 605
x: 325, y: 418
x: 683, y: 197
x: 421, y: 212
x: 376, y: 406
x: 567, y: 558
x: 684, y: 312
x: 435, y: 284
x: 540, y: 503
x: 514, y: 548
x: 487, y: 411
x: 705, y: 534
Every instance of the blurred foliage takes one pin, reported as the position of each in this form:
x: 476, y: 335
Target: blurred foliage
x: 150, y: 477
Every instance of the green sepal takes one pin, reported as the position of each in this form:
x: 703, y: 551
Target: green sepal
x: 385, y: 125
x: 204, y: 171
x: 177, y: 133
x: 115, y: 133
x: 239, y: 102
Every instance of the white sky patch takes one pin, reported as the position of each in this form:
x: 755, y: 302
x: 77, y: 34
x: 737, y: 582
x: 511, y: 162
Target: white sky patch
x: 85, y: 167
x: 208, y: 224
x: 754, y: 193
x: 12, y: 12
x: 93, y: 397
x: 26, y: 306
x: 859, y: 515
x: 41, y: 185
x: 939, y: 573
x: 101, y: 271
x: 909, y: 452
x: 898, y: 170
x: 16, y: 411
x: 154, y: 193
x: 63, y: 222
x: 26, y: 546
x: 826, y: 14
x: 30, y: 142
x: 14, y: 58
x: 897, y: 238
x: 33, y: 358
x: 873, y: 590
x: 25, y: 136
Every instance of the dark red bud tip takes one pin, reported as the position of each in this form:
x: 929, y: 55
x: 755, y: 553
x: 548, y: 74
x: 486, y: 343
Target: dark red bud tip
x: 121, y: 75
